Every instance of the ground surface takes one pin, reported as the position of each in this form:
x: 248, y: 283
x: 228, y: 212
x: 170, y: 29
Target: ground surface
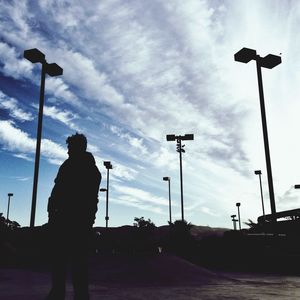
x: 158, y: 277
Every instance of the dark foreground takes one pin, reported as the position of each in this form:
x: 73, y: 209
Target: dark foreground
x: 155, y: 277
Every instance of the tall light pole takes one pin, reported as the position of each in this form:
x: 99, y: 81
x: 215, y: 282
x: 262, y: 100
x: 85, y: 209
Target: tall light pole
x: 8, y: 204
x: 180, y: 150
x: 234, y: 220
x: 258, y: 172
x: 108, y: 167
x: 36, y: 56
x: 270, y: 61
x: 238, y: 207
x: 169, y: 183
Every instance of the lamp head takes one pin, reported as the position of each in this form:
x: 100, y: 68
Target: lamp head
x: 238, y: 204
x: 10, y: 194
x: 54, y: 69
x: 166, y: 178
x: 107, y: 164
x: 297, y: 186
x: 103, y: 190
x: 170, y: 137
x: 270, y: 61
x: 257, y: 172
x: 187, y: 137
x: 34, y: 55
x: 245, y: 55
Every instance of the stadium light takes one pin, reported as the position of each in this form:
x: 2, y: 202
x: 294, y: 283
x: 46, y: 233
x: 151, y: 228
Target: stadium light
x: 36, y: 56
x: 180, y: 150
x: 169, y: 184
x: 270, y: 61
x: 108, y: 167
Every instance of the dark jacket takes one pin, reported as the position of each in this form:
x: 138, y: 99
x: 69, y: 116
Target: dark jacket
x: 74, y: 198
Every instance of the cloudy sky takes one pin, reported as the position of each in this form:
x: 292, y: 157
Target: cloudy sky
x: 135, y: 71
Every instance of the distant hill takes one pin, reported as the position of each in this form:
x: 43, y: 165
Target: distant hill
x: 198, y: 232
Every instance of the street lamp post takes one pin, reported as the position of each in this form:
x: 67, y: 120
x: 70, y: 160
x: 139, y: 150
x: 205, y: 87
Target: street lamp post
x: 180, y: 150
x: 108, y: 167
x: 36, y: 56
x: 270, y: 61
x: 8, y: 204
x: 238, y: 207
x: 258, y: 172
x: 234, y: 220
x: 169, y: 183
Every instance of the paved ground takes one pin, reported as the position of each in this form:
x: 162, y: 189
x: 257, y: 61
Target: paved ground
x: 160, y: 277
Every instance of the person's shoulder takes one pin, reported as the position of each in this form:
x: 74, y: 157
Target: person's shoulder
x: 89, y: 157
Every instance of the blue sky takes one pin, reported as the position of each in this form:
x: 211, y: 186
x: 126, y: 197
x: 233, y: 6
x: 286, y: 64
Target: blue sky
x: 135, y: 71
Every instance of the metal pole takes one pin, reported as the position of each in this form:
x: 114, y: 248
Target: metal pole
x: 239, y: 218
x: 170, y: 201
x: 262, y: 197
x: 266, y: 140
x: 8, y: 204
x: 181, y: 182
x: 107, y: 187
x: 38, y: 145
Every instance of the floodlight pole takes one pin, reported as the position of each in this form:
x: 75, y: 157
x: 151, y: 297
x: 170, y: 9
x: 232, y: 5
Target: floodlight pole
x: 261, y: 193
x: 270, y: 61
x: 238, y: 207
x: 108, y: 166
x: 265, y: 135
x: 169, y: 185
x: 8, y: 204
x: 234, y: 220
x: 38, y: 145
x: 170, y: 212
x: 36, y: 56
x: 181, y: 180
x: 107, y: 191
x: 179, y: 138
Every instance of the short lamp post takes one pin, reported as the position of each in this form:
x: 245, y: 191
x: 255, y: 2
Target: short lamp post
x: 8, y: 204
x: 180, y: 150
x: 270, y: 61
x: 238, y: 207
x: 108, y: 167
x: 169, y: 184
x: 36, y: 56
x: 258, y: 172
x: 234, y: 220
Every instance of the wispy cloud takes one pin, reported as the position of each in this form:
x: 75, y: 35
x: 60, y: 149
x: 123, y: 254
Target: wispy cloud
x: 12, y: 105
x: 19, y: 142
x: 140, y: 199
x: 62, y: 115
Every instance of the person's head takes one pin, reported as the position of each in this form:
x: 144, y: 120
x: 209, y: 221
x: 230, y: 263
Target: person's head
x: 77, y: 144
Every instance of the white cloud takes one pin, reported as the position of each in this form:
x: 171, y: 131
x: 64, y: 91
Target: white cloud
x: 64, y: 116
x: 12, y: 65
x: 15, y: 140
x: 11, y: 104
x: 139, y: 198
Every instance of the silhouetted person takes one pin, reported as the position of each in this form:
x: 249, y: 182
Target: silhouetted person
x: 72, y: 208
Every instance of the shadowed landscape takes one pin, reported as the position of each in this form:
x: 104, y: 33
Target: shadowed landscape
x: 178, y: 261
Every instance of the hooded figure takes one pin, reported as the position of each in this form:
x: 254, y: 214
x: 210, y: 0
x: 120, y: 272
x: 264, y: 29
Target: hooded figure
x: 72, y: 208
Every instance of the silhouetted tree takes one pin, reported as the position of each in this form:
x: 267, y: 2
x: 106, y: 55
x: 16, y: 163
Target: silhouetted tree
x: 144, y: 235
x: 181, y: 240
x: 254, y: 227
x: 142, y: 223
